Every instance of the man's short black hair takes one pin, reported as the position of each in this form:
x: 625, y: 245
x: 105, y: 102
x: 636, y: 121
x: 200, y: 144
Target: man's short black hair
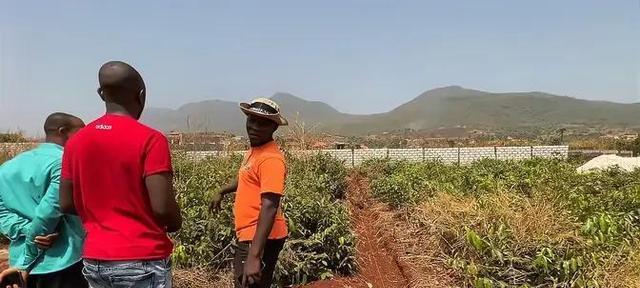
x: 57, y: 120
x: 118, y: 79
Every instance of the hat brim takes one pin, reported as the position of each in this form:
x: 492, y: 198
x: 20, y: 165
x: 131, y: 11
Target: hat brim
x: 278, y: 118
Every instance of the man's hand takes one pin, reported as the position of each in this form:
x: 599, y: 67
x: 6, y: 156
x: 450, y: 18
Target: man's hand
x: 217, y: 197
x: 46, y: 241
x: 215, y: 202
x: 13, y: 278
x: 252, y: 271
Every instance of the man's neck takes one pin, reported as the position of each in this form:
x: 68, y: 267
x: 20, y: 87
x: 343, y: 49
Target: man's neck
x: 54, y: 140
x: 117, y: 109
x: 261, y: 144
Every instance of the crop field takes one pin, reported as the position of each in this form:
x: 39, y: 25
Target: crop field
x: 531, y: 223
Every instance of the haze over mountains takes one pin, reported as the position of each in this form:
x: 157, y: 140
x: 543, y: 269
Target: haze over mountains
x: 445, y: 107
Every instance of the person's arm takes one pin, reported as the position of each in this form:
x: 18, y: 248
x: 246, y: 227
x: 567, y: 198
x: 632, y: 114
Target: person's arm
x: 272, y: 176
x: 12, y: 225
x: 163, y: 201
x: 67, y: 205
x: 270, y: 204
x: 66, y: 197
x: 46, y: 218
x: 231, y: 188
x: 158, y: 179
x: 216, y: 199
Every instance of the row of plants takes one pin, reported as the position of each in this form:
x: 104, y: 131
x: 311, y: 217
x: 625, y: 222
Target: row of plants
x: 532, y: 223
x: 320, y: 245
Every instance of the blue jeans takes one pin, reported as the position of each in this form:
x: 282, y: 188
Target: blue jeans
x: 128, y: 274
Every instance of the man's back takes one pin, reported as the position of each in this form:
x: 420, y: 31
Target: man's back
x: 29, y: 204
x: 107, y: 163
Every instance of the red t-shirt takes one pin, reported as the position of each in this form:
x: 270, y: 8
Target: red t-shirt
x: 107, y: 162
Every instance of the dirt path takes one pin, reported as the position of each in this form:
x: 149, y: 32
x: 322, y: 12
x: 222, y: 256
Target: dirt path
x: 389, y: 253
x: 377, y: 258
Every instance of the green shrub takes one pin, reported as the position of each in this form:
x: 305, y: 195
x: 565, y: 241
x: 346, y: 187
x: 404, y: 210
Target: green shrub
x: 320, y: 242
x: 205, y: 239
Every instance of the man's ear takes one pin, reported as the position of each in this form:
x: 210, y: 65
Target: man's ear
x: 62, y: 131
x: 101, y: 93
x: 142, y: 97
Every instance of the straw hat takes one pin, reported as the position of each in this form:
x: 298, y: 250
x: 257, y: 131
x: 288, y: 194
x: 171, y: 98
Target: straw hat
x: 265, y: 108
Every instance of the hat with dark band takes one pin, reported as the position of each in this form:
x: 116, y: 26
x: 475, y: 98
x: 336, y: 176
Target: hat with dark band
x: 265, y: 108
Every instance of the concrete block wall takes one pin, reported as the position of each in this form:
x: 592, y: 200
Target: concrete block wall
x: 560, y: 152
x: 406, y: 154
x: 513, y: 153
x: 361, y: 155
x: 463, y: 155
x: 471, y: 154
x: 198, y: 155
x: 344, y: 155
x: 445, y: 155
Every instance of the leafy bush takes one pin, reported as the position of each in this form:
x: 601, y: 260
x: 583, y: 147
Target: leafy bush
x: 205, y: 239
x: 320, y: 242
x: 519, y: 223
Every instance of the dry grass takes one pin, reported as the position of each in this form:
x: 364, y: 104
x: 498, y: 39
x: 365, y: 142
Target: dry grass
x: 420, y: 250
x: 531, y: 221
x: 626, y: 275
x: 202, y: 278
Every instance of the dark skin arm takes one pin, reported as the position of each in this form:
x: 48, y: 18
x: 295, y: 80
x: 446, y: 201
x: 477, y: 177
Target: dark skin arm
x: 252, y: 267
x: 217, y: 198
x: 66, y: 197
x: 163, y: 201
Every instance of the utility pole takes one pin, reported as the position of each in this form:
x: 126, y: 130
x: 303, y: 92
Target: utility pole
x: 561, y: 130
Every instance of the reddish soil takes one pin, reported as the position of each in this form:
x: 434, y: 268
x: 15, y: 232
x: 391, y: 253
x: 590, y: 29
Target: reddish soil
x: 391, y: 252
x: 378, y: 260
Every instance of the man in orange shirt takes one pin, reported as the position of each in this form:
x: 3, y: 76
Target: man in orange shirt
x: 260, y: 225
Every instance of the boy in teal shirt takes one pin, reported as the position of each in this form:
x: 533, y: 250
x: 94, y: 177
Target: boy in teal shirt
x: 29, y: 208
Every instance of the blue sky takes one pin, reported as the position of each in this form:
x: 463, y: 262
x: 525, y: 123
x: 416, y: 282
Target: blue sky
x: 358, y: 56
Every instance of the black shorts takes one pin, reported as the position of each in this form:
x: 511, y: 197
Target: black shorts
x: 68, y: 278
x: 269, y: 259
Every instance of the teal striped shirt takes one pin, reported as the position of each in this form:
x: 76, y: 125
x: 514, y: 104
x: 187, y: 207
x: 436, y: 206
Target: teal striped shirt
x: 30, y: 207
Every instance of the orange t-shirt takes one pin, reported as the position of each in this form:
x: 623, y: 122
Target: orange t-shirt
x: 263, y: 171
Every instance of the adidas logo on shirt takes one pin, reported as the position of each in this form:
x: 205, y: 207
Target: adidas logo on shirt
x: 103, y: 127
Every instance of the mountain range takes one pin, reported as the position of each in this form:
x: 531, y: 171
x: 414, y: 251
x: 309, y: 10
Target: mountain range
x: 446, y: 107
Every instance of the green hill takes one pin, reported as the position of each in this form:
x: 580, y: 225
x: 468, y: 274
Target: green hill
x: 445, y: 107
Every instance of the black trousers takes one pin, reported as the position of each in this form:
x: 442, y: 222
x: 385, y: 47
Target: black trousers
x: 68, y: 278
x: 269, y: 258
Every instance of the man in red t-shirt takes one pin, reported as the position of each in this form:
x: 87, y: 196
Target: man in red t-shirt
x: 117, y: 176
